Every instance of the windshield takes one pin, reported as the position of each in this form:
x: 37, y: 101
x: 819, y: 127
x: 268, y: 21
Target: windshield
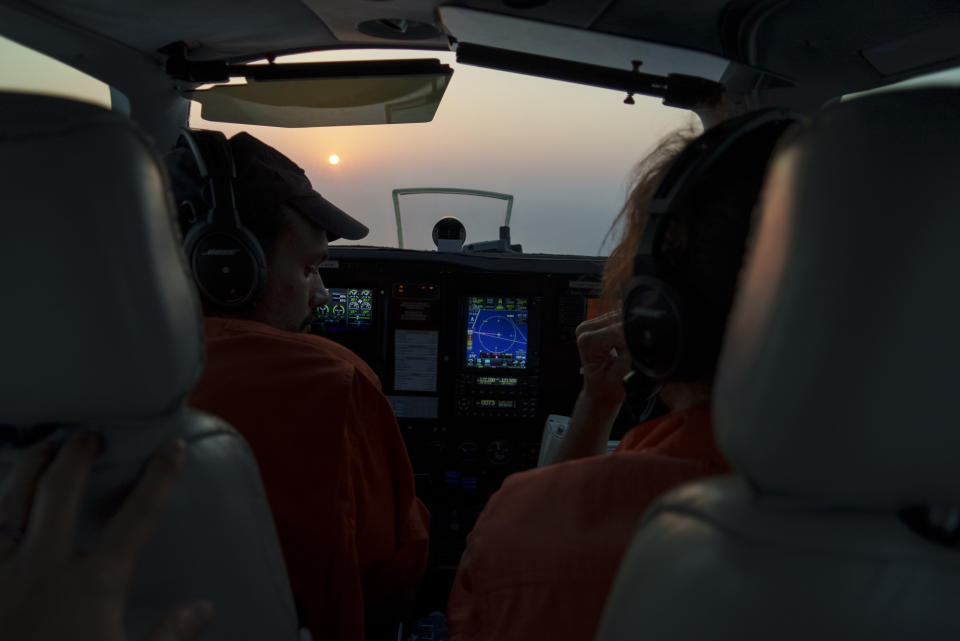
x: 565, y: 153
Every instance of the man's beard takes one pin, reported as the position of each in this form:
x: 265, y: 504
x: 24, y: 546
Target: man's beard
x: 307, y: 322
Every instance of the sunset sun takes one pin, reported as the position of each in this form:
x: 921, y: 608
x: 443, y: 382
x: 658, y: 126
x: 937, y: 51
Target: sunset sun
x: 334, y: 159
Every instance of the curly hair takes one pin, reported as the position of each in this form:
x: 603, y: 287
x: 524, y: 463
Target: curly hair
x: 632, y: 219
x: 703, y: 245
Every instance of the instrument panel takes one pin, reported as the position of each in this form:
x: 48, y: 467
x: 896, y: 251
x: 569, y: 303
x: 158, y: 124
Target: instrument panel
x: 473, y: 352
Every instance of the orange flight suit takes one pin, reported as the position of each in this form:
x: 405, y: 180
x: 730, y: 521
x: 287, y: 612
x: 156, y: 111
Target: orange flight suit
x: 333, y: 463
x: 543, y: 554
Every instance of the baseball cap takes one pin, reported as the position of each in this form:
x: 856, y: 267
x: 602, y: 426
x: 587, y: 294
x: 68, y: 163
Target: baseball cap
x: 265, y: 180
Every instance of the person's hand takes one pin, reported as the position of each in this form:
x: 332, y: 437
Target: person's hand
x: 50, y: 593
x: 604, y: 358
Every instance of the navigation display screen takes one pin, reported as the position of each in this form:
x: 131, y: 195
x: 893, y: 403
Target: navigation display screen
x: 497, y: 332
x: 348, y: 309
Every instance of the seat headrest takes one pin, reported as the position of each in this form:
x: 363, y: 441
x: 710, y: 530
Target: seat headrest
x: 99, y: 319
x: 840, y: 366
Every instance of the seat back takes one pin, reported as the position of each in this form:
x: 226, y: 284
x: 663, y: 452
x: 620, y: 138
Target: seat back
x: 101, y: 331
x: 833, y: 403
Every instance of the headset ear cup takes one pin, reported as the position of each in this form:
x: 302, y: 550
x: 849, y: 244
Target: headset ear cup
x: 228, y: 265
x: 655, y: 330
x: 692, y: 243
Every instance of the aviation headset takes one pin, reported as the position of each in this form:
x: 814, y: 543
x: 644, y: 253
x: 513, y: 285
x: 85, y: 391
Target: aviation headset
x: 226, y: 259
x: 667, y: 327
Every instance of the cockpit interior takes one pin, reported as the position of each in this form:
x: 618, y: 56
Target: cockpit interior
x: 470, y: 327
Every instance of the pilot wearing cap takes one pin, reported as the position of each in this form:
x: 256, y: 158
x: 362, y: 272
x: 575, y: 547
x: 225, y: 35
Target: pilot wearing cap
x: 333, y: 462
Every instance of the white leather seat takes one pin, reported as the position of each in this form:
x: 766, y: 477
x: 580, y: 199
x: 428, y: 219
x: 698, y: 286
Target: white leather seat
x: 101, y: 330
x: 835, y: 404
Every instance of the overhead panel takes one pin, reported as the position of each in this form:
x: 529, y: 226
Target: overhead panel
x: 938, y: 45
x: 573, y: 13
x: 837, y: 47
x: 403, y: 22
x: 693, y: 24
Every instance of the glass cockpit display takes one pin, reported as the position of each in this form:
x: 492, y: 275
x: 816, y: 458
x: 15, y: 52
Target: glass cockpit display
x: 348, y: 309
x: 497, y: 332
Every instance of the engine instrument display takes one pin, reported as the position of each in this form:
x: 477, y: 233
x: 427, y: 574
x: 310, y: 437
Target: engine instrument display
x: 497, y: 332
x: 349, y: 309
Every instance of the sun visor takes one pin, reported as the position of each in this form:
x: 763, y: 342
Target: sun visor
x: 580, y: 45
x: 327, y: 102
x: 682, y: 77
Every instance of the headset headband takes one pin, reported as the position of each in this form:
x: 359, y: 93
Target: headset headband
x: 666, y: 328
x: 690, y: 166
x: 215, y: 162
x: 701, y: 154
x: 226, y: 260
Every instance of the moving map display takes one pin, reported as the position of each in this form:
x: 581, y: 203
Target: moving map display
x: 348, y: 309
x: 497, y: 332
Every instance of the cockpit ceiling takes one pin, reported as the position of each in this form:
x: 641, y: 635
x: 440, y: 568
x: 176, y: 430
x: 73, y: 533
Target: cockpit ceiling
x: 236, y: 29
x: 798, y: 39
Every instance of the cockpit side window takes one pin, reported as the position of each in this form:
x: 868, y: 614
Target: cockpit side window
x: 29, y: 71
x: 941, y: 78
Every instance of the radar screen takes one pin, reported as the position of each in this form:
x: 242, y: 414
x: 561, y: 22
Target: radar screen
x: 497, y: 332
x: 348, y: 309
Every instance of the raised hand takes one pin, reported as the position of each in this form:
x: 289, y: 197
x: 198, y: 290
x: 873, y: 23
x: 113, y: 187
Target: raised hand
x: 604, y: 358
